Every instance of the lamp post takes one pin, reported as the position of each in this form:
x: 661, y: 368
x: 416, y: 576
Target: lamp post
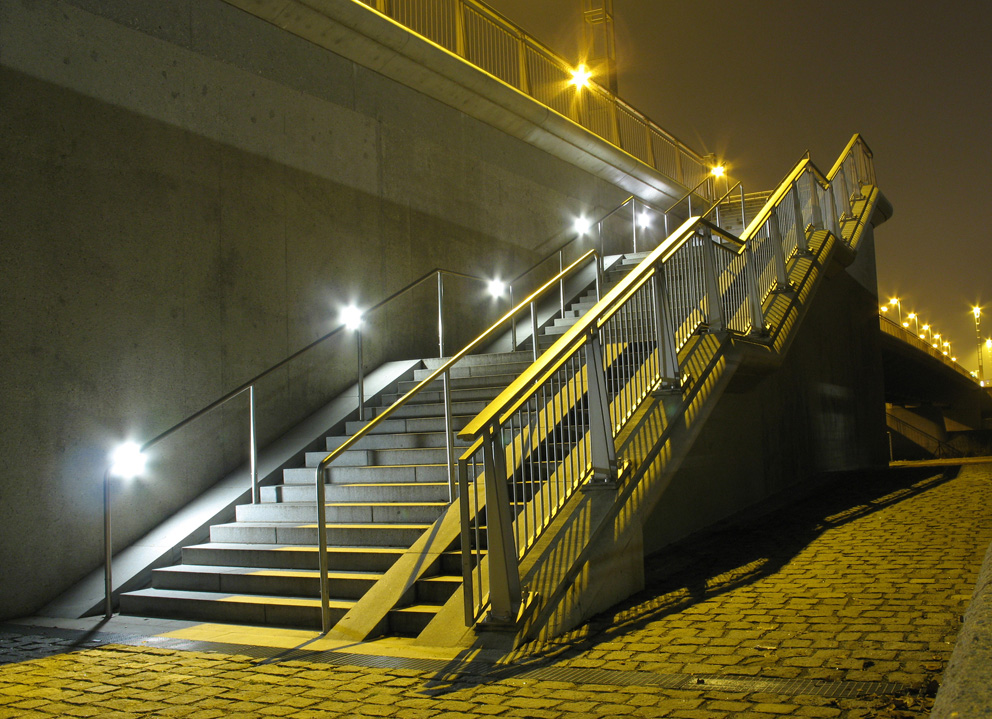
x: 351, y: 318
x: 126, y: 462
x: 926, y: 328
x: 916, y: 318
x: 936, y: 340
x: 977, y: 311
x: 895, y: 303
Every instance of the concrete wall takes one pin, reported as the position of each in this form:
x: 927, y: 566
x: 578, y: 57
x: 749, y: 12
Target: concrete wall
x: 822, y: 411
x: 189, y: 195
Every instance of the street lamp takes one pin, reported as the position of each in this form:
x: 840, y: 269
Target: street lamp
x: 126, y: 462
x: 977, y: 311
x: 895, y: 303
x: 947, y: 347
x: 916, y: 318
x: 351, y: 318
x: 936, y: 339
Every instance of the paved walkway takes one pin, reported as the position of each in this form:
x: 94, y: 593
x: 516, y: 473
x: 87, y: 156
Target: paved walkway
x: 843, y: 605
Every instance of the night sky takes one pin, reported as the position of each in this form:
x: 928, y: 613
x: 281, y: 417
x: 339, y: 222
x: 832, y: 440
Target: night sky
x: 760, y: 82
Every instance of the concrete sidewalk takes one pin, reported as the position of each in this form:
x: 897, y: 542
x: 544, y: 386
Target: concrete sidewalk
x: 845, y: 604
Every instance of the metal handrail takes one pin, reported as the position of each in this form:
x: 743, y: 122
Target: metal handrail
x: 492, y: 43
x: 637, y: 332
x: 442, y: 371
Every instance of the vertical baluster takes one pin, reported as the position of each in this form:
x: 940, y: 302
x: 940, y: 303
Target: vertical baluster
x: 504, y: 574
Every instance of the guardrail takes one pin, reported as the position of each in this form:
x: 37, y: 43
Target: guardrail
x: 935, y: 446
x: 892, y: 328
x: 483, y: 37
x: 553, y: 430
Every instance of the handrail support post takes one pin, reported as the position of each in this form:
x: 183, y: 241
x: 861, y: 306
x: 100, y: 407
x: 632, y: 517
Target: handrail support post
x: 602, y: 449
x: 504, y: 572
x: 253, y: 448
x: 714, y: 303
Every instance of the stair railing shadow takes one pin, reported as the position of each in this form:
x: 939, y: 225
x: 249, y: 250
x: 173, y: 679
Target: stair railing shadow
x: 713, y: 563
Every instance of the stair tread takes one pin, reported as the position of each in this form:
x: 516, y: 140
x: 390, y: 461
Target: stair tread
x: 262, y: 546
x: 268, y: 571
x: 244, y: 598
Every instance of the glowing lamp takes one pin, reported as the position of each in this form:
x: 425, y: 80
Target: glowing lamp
x: 496, y: 287
x: 127, y: 461
x: 351, y: 317
x: 580, y: 76
x: 581, y: 226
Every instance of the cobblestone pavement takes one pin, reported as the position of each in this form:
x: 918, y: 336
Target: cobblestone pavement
x: 842, y: 605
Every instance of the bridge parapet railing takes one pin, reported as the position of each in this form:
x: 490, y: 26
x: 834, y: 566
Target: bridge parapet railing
x: 554, y: 430
x: 483, y: 37
x: 894, y: 329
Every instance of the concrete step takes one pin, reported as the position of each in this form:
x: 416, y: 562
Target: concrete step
x: 465, y: 383
x: 281, y: 556
x: 401, y: 440
x: 234, y: 608
x: 382, y: 457
x: 484, y: 393
x: 437, y: 590
x: 272, y: 582
x: 481, y: 364
x: 411, y: 620
x: 402, y: 425
x: 359, y: 492
x: 370, y: 475
x: 434, y: 409
x: 353, y: 534
x: 344, y: 512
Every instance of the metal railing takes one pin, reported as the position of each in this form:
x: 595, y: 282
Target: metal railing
x: 894, y: 329
x: 443, y: 373
x: 554, y: 429
x: 483, y: 37
x: 937, y: 448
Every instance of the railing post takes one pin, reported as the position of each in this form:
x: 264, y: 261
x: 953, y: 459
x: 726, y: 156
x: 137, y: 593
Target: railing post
x: 513, y: 324
x: 382, y: 6
x: 602, y: 450
x: 449, y: 435
x: 679, y: 170
x: 440, y: 316
x: 834, y: 219
x: 856, y: 176
x: 253, y: 448
x: 754, y: 292
x: 361, y: 375
x: 633, y: 222
x: 325, y: 609
x: 801, y: 244
x: 775, y: 237
x: 671, y: 377
x: 561, y: 283
x: 504, y: 573
x: 533, y: 329
x: 650, y: 146
x: 743, y: 209
x: 814, y: 201
x: 714, y: 303
x: 460, y: 28
x: 522, y: 60
x: 845, y: 192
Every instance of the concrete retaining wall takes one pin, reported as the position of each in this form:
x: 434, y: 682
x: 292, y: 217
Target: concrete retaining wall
x: 966, y: 690
x: 190, y: 195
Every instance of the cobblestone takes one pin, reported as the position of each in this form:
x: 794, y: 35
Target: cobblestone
x: 864, y: 582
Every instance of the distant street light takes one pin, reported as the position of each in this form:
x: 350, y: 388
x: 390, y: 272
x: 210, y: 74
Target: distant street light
x: 895, y: 303
x: 977, y: 311
x: 916, y: 318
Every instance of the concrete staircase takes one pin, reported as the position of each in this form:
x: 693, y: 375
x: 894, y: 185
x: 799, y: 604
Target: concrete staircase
x: 382, y: 495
